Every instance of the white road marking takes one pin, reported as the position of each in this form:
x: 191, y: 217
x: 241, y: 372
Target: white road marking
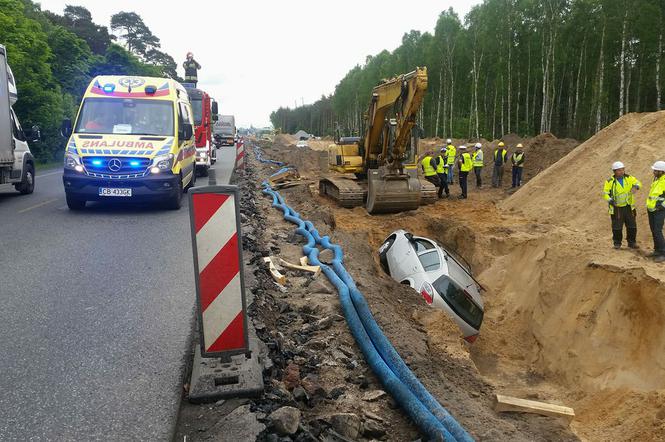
x: 43, y: 203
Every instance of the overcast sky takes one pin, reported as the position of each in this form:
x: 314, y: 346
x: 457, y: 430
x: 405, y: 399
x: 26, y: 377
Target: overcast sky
x: 258, y: 55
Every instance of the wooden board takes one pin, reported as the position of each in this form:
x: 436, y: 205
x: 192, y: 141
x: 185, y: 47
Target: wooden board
x: 278, y: 277
x: 305, y: 268
x: 508, y: 403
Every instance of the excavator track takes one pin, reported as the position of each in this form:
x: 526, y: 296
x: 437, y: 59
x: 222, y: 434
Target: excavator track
x: 347, y: 192
x: 351, y: 193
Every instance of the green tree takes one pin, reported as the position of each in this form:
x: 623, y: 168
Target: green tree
x: 137, y: 36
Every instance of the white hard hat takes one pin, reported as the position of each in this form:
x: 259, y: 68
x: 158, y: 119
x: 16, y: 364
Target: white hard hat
x: 618, y: 165
x: 449, y: 141
x: 659, y: 165
x: 462, y: 147
x: 478, y: 145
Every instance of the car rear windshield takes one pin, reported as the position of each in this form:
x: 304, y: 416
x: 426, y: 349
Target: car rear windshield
x: 126, y: 116
x: 460, y: 302
x: 197, y: 107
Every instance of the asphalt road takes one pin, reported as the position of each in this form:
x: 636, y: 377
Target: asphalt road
x: 96, y: 315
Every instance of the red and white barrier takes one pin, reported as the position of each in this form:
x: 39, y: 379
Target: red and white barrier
x: 240, y: 154
x: 218, y: 264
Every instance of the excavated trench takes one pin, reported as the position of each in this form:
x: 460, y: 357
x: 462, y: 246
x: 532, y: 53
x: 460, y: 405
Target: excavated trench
x: 568, y: 320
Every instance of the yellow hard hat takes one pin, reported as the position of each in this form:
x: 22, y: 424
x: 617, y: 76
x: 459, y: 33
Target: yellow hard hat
x: 501, y: 144
x: 519, y: 145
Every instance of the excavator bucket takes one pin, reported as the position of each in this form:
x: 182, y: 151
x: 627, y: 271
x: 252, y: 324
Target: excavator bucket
x: 389, y: 193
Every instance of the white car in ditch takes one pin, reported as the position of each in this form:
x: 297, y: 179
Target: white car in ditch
x: 441, y: 279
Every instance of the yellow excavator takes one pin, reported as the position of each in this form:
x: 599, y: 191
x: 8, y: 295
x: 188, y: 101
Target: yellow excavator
x: 384, y: 159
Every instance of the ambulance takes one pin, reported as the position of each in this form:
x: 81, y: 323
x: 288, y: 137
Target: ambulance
x: 132, y: 140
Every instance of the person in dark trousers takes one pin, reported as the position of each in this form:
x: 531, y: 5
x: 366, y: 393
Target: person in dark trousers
x: 478, y: 164
x: 442, y: 172
x: 191, y: 67
x: 428, y: 165
x: 656, y: 210
x: 465, y: 165
x: 517, y: 158
x: 619, y: 192
x: 500, y: 155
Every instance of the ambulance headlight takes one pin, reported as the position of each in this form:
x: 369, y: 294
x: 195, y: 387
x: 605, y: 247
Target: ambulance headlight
x: 73, y: 161
x: 204, y: 155
x: 162, y: 163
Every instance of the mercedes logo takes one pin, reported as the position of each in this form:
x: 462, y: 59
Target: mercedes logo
x: 115, y: 165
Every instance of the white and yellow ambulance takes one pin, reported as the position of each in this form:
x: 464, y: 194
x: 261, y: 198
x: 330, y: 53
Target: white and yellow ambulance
x: 132, y: 140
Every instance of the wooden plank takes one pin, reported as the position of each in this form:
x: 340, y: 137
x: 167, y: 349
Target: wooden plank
x: 508, y: 403
x: 278, y: 277
x: 305, y: 268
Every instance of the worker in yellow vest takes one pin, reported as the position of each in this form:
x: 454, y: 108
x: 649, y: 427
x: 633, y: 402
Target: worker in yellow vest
x: 451, y: 151
x: 500, y: 154
x: 428, y: 165
x: 465, y: 166
x: 619, y: 193
x: 517, y: 158
x: 442, y: 172
x: 478, y: 164
x: 656, y: 210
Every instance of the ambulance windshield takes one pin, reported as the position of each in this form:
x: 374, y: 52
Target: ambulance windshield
x: 126, y: 116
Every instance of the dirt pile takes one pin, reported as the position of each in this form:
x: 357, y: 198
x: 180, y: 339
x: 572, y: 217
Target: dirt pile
x: 568, y: 308
x: 570, y: 192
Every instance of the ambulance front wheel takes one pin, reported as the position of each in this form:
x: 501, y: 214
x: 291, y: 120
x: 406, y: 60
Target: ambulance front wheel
x: 75, y: 203
x: 175, y: 201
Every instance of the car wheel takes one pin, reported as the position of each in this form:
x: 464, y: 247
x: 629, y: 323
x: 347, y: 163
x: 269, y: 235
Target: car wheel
x: 175, y: 201
x: 74, y: 203
x: 383, y: 253
x: 27, y: 186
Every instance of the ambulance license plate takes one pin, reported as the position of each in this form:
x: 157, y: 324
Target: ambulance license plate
x: 114, y: 191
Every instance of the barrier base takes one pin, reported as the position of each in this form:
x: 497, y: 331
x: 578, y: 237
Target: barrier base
x: 214, y: 379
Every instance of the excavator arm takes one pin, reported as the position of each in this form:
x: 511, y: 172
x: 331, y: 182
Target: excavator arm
x: 390, y: 120
x: 388, y: 145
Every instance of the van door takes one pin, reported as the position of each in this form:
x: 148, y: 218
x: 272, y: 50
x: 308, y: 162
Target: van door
x: 6, y: 129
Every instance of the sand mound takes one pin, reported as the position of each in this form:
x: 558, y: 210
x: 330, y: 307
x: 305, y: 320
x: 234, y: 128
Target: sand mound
x: 564, y: 307
x: 570, y: 192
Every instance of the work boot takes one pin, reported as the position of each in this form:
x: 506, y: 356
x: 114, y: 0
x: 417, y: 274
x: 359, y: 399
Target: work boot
x: 617, y: 246
x: 652, y: 255
x: 659, y: 258
x: 633, y: 245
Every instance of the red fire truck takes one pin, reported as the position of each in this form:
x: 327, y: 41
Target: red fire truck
x: 205, y: 112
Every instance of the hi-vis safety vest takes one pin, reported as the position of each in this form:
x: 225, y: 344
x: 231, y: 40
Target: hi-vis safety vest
x: 440, y: 165
x: 656, y: 194
x: 620, y: 194
x: 427, y: 166
x: 478, y: 158
x: 519, y: 159
x: 467, y: 163
x: 452, y: 152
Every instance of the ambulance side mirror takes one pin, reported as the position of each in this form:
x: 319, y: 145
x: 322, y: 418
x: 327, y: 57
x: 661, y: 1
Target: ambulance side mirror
x: 66, y: 128
x: 187, y: 131
x: 214, y: 110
